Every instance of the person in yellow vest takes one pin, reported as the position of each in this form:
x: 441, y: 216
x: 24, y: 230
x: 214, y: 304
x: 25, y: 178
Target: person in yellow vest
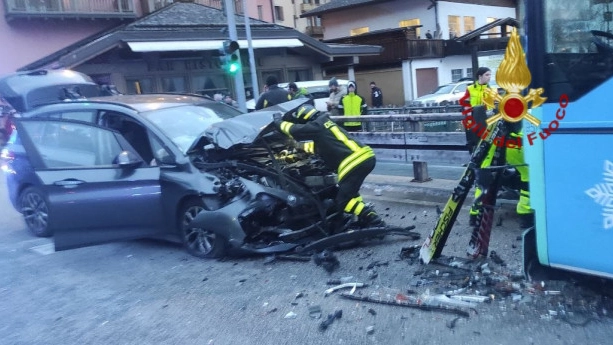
x: 351, y: 159
x: 514, y: 156
x: 352, y: 104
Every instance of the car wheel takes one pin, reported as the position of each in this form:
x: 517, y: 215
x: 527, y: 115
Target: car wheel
x: 199, y: 242
x: 35, y: 210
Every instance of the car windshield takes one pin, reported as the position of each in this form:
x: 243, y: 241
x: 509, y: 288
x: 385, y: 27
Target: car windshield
x: 444, y: 89
x: 184, y: 124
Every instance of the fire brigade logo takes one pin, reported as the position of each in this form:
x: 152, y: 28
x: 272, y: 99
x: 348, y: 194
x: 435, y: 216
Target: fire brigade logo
x: 513, y: 76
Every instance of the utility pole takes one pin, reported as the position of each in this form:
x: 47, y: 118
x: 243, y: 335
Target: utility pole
x: 254, y: 77
x: 239, y: 84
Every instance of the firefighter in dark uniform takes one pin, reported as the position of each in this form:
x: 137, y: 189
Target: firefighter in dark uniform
x: 275, y: 95
x: 352, y: 160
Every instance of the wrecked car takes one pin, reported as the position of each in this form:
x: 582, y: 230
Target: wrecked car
x: 174, y: 167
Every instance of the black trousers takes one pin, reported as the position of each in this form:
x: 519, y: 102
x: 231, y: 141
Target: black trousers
x: 349, y: 186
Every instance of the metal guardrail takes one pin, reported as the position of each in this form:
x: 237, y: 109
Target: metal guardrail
x: 413, y: 134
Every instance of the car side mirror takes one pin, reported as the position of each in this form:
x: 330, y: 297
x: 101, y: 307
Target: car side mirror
x: 127, y: 160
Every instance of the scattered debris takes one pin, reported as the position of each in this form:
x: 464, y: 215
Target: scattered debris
x: 286, y: 257
x: 370, y: 329
x: 371, y: 311
x: 344, y: 286
x: 331, y: 317
x: 315, y: 312
x: 494, y: 256
x: 290, y: 315
x: 327, y: 260
x: 408, y: 301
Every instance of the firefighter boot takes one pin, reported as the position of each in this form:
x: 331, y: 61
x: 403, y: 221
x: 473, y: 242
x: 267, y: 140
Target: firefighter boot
x: 368, y: 218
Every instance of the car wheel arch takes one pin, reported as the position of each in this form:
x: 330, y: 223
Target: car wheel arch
x: 35, y: 229
x: 219, y: 243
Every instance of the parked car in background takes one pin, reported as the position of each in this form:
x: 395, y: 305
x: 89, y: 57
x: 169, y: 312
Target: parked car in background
x: 443, y: 95
x: 177, y: 167
x: 318, y: 89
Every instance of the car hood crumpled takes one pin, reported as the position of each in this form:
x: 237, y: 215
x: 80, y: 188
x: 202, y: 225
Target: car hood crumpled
x: 244, y: 129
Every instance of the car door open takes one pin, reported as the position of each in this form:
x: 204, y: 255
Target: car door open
x: 97, y: 187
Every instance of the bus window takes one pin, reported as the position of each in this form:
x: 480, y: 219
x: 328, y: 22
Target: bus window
x: 578, y: 50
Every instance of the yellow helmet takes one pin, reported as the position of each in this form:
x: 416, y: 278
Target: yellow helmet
x: 305, y: 113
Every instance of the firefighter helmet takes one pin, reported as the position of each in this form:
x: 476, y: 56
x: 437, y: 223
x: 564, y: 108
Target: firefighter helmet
x: 305, y: 113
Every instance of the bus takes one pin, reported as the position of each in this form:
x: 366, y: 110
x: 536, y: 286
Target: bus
x: 569, y: 52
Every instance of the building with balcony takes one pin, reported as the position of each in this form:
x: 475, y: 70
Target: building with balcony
x: 32, y: 29
x: 176, y: 49
x: 411, y: 64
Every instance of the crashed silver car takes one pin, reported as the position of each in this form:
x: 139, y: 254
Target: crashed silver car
x: 90, y: 170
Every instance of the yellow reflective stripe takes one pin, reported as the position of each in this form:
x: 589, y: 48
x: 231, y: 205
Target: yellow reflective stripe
x: 309, y: 147
x: 310, y: 113
x: 351, y: 204
x: 285, y: 127
x: 353, y: 157
x: 359, y: 209
x: 265, y: 104
x: 352, y: 145
x: 353, y: 160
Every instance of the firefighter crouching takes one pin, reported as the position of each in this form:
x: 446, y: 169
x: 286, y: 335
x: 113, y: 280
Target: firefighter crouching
x: 352, y: 160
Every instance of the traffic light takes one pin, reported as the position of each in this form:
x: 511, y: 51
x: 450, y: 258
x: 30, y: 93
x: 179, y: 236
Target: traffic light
x: 230, y: 57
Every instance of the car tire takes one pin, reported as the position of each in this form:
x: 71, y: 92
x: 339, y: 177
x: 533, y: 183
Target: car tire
x: 35, y: 210
x: 198, y: 241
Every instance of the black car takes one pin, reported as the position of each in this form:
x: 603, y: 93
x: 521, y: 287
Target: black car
x: 90, y: 170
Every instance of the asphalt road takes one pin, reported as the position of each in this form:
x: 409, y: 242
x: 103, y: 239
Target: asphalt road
x: 148, y: 292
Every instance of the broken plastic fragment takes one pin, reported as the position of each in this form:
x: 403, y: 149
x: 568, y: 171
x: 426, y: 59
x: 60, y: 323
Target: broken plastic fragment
x: 290, y: 315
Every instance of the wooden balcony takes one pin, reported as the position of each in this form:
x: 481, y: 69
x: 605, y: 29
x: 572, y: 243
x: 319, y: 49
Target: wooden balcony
x: 91, y: 9
x: 401, y: 44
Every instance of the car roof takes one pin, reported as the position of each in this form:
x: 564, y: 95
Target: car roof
x: 148, y: 102
x: 311, y: 83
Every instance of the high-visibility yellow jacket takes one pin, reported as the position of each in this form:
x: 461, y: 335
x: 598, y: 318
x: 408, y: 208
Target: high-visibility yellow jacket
x: 352, y: 104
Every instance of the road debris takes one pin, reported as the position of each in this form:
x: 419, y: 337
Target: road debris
x: 315, y: 312
x: 327, y: 260
x: 290, y: 315
x: 331, y: 317
x: 408, y: 301
x: 344, y: 286
x: 370, y: 329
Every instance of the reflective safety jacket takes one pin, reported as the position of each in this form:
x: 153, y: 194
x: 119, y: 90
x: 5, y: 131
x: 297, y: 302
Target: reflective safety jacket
x: 476, y: 93
x: 331, y: 142
x: 352, y: 104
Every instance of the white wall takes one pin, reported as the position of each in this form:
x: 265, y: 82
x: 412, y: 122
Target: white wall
x: 386, y: 15
x: 479, y: 12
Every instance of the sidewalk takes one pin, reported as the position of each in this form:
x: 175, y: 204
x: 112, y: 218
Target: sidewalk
x: 402, y: 188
